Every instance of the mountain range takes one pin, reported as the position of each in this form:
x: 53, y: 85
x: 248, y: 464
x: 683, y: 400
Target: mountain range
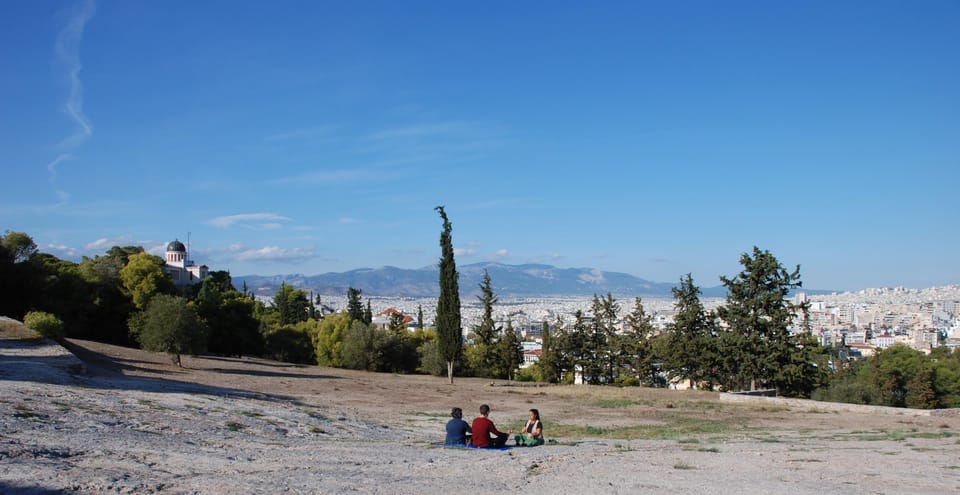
x: 529, y: 280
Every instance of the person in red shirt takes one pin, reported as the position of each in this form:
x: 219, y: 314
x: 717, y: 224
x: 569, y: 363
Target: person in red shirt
x: 483, y: 428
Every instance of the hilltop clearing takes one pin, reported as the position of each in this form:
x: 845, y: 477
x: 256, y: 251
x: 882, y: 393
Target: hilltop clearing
x: 134, y: 423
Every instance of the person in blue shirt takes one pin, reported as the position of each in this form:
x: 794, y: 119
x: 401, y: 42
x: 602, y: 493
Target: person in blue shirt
x: 458, y: 430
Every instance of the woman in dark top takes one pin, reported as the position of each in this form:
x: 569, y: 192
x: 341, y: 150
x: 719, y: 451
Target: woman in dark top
x: 532, y: 432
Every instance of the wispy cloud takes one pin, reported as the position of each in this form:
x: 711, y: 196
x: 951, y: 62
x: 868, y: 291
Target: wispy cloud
x: 394, y: 153
x: 52, y: 170
x: 307, y: 133
x: 335, y: 176
x: 346, y: 220
x: 261, y: 221
x: 422, y: 130
x: 500, y: 203
x: 107, y: 243
x: 446, y: 141
x: 61, y: 251
x: 465, y: 252
x: 68, y: 56
x: 501, y: 254
x: 276, y: 253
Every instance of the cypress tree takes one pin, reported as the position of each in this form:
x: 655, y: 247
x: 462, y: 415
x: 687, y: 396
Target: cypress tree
x: 449, y: 331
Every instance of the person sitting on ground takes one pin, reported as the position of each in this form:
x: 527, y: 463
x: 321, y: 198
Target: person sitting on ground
x: 483, y: 428
x: 458, y: 431
x: 532, y: 432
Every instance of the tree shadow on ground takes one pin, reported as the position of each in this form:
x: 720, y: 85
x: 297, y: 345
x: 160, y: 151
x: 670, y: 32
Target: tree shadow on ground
x: 257, y: 361
x: 10, y: 487
x: 107, y: 372
x: 270, y: 374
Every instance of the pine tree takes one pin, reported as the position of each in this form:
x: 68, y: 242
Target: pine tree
x: 549, y: 362
x: 577, y: 352
x: 485, y: 331
x: 562, y: 345
x: 690, y: 335
x: 354, y: 304
x: 368, y: 314
x: 758, y: 316
x: 420, y: 317
x: 291, y: 304
x: 635, y: 345
x: 396, y: 325
x: 509, y: 353
x: 448, y: 322
x: 603, y: 339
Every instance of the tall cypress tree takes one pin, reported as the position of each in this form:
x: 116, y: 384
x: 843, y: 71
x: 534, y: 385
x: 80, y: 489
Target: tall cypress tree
x: 449, y: 331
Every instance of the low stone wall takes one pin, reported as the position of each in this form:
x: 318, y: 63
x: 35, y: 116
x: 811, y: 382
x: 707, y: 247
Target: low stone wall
x: 813, y: 405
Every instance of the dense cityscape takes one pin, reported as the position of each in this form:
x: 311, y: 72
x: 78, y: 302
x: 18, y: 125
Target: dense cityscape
x: 863, y: 321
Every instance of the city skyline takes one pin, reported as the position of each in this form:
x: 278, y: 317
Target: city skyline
x: 649, y: 139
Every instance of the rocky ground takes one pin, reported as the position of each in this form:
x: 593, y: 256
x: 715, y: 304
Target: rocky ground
x: 95, y: 418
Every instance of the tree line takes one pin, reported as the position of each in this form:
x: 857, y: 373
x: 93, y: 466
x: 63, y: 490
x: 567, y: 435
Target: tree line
x: 124, y: 297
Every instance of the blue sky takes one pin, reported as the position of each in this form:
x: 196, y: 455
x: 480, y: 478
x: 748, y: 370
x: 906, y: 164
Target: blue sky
x: 652, y: 138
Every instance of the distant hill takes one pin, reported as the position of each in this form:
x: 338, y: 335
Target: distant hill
x: 530, y: 280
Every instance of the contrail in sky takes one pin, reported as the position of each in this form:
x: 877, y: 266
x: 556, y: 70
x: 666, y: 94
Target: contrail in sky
x: 67, y: 51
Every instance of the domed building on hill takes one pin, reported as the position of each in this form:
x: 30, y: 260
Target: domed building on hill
x: 180, y: 267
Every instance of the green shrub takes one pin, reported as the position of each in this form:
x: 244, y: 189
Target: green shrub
x: 626, y: 381
x: 290, y: 345
x: 528, y: 374
x: 48, y: 325
x: 431, y: 362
